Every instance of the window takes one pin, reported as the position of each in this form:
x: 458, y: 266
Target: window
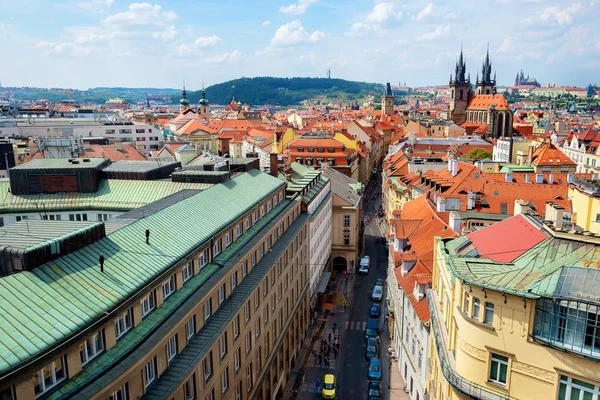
x: 190, y: 327
x: 140, y: 131
x: 253, y: 259
x: 225, y: 380
x: 207, y: 309
x: 236, y: 327
x: 248, y: 223
x: 101, y: 217
x: 346, y: 239
x: 300, y: 149
x: 258, y: 359
x: 466, y: 303
x: 267, y: 343
x: 203, y: 258
x: 476, y: 307
x: 266, y: 315
x: 91, y: 347
x: 311, y: 149
x: 257, y: 328
x: 249, y: 376
x: 123, y: 323
x: 172, y: 348
x: 244, y: 269
x: 238, y: 391
x: 346, y: 220
x: 233, y: 280
x: 498, y: 369
x: 503, y: 208
x: 248, y: 341
x: 121, y: 394
x: 148, y: 303
x: 575, y: 389
x: 237, y: 359
x: 247, y: 311
x: 216, y: 247
x: 188, y: 271
x: 223, y: 344
x: 211, y: 394
x: 49, y: 376
x: 489, y: 313
x: 168, y: 287
x: 239, y: 230
x: 227, y: 239
x: 207, y: 366
x: 150, y: 372
x: 189, y: 388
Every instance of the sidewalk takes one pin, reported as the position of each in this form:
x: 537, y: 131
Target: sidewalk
x: 307, y: 369
x: 392, y: 378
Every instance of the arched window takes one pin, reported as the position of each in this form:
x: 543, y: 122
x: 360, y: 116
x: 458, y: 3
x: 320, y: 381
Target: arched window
x: 461, y: 94
x: 452, y: 95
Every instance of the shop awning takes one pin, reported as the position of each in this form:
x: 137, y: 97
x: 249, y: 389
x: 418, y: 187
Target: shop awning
x: 322, y: 286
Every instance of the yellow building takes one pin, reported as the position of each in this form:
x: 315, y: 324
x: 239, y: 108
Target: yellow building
x: 516, y: 317
x: 203, y: 299
x: 585, y: 199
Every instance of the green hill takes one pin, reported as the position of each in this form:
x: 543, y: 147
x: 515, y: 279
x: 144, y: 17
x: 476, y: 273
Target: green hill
x: 287, y: 91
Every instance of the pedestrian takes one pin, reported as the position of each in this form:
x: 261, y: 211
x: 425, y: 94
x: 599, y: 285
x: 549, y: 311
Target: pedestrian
x: 327, y: 363
x: 338, y: 347
x: 318, y: 385
x: 320, y: 359
x: 335, y: 352
x: 329, y: 337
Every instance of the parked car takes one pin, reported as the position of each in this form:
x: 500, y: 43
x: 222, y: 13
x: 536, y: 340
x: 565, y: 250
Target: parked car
x: 328, y: 390
x: 377, y: 294
x: 375, y: 369
x: 372, y: 329
x: 363, y: 269
x: 379, y: 282
x: 375, y: 310
x: 374, y: 390
x: 372, y: 348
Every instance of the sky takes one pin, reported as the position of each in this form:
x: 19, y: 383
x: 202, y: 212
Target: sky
x: 89, y: 43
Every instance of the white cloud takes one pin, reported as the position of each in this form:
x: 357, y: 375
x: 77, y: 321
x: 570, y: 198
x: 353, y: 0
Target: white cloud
x: 4, y: 31
x: 169, y: 33
x: 184, y: 50
x: 232, y: 57
x: 266, y: 23
x: 70, y: 49
x: 297, y: 8
x: 425, y: 12
x: 294, y: 33
x: 310, y: 57
x: 561, y: 15
x: 381, y: 14
x: 140, y: 14
x: 507, y: 46
x: 207, y: 41
x: 107, y: 3
x: 90, y: 38
x: 441, y: 32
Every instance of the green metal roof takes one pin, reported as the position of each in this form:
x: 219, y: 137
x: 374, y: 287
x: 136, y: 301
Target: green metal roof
x: 516, y: 168
x: 29, y: 234
x: 144, y: 337
x: 42, y: 308
x: 58, y: 163
x: 112, y: 195
x: 397, y: 183
x: 534, y: 274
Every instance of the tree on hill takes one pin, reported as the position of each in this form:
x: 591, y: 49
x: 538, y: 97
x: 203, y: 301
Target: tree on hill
x: 479, y: 154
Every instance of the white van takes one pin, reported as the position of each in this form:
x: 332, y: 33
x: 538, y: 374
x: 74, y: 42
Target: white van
x: 364, y: 265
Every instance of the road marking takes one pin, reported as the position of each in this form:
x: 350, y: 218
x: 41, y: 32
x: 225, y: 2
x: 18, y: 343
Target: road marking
x: 364, y: 325
x: 346, y: 325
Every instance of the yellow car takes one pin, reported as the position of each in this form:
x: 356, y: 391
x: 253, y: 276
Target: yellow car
x: 328, y: 391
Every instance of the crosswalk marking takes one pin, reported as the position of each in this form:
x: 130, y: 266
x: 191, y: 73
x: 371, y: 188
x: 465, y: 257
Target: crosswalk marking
x: 355, y: 325
x: 364, y: 325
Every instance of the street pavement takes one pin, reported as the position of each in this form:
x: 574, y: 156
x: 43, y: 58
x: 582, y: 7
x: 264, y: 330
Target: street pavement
x: 350, y: 366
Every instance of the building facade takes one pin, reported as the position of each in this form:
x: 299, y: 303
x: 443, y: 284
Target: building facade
x: 218, y: 312
x: 517, y: 319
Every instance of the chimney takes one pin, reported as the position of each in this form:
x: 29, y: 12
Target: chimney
x: 508, y: 177
x: 454, y: 168
x: 529, y: 155
x: 521, y: 207
x: 440, y: 204
x: 539, y: 178
x: 470, y: 201
x: 527, y: 178
x: 273, y: 164
x: 450, y: 164
x: 551, y: 179
x: 554, y: 214
x: 454, y: 221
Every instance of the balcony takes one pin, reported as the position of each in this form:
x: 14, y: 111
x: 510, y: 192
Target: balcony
x: 446, y: 359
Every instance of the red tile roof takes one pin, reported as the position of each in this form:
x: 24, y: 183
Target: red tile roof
x: 483, y: 101
x: 506, y: 240
x: 549, y: 154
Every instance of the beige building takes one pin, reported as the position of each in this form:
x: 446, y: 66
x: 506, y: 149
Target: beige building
x: 346, y: 220
x: 206, y: 298
x: 515, y: 318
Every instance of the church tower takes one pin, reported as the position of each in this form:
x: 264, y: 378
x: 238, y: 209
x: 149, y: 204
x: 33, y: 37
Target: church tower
x: 184, y: 103
x: 460, y: 92
x: 486, y: 85
x: 203, y: 108
x: 387, y: 100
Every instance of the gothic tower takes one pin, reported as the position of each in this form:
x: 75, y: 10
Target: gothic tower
x: 203, y: 108
x: 387, y: 100
x: 460, y: 92
x: 184, y: 103
x: 486, y: 85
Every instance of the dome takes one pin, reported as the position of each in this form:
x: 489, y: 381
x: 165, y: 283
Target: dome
x: 203, y: 101
x: 184, y: 102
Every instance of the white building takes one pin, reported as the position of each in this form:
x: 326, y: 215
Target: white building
x: 251, y: 149
x: 144, y: 136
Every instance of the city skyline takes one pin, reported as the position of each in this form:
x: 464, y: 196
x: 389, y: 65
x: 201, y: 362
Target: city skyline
x: 158, y: 44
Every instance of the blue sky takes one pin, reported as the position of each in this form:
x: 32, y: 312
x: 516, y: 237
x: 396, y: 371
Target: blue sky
x: 89, y: 43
